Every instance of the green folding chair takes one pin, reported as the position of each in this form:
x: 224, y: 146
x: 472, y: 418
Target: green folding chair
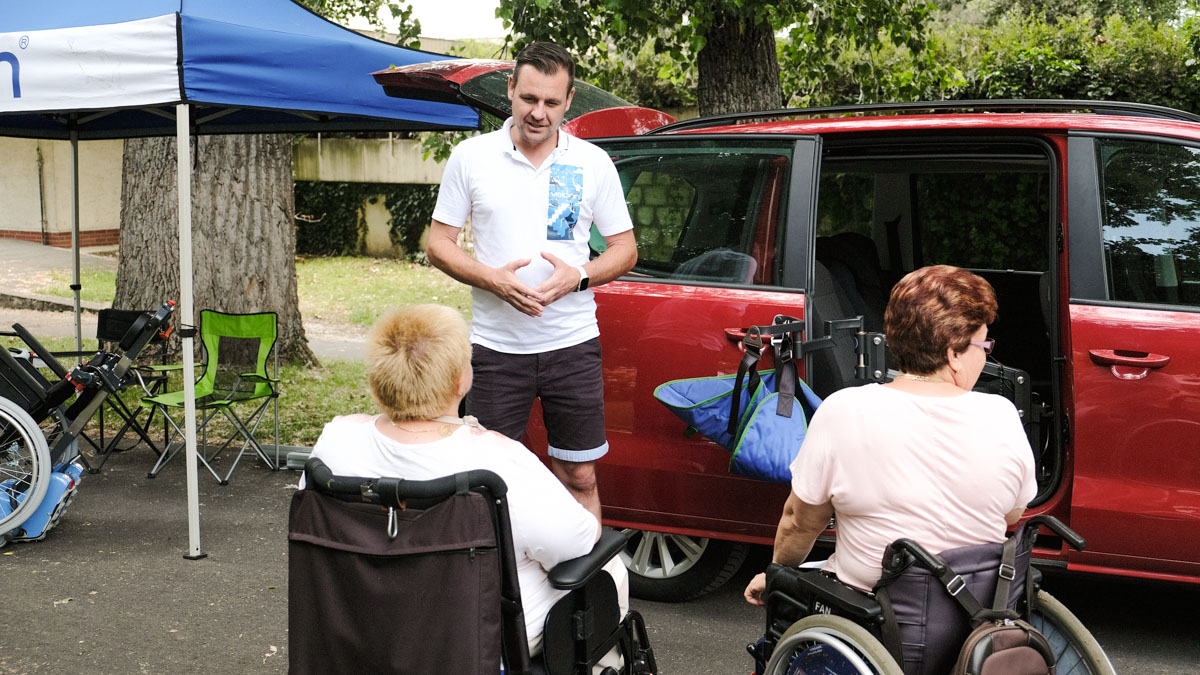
x: 232, y: 344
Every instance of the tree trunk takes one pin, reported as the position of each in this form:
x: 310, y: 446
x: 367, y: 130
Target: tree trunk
x: 243, y: 235
x: 738, y: 68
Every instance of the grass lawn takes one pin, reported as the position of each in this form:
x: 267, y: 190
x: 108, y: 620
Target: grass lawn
x: 342, y: 294
x: 357, y: 291
x: 98, y: 285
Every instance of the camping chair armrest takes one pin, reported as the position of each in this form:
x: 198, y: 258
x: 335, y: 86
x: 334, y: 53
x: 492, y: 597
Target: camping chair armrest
x: 145, y: 377
x: 255, y: 377
x: 577, y: 572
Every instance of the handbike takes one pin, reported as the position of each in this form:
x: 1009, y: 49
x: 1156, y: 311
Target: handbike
x: 40, y: 464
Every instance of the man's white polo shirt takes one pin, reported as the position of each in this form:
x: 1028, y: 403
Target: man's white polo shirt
x: 517, y: 212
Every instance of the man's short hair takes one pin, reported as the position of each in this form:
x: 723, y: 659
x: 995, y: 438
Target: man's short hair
x: 548, y: 58
x: 415, y: 357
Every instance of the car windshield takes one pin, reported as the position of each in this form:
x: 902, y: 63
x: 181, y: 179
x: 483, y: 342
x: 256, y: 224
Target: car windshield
x: 491, y: 89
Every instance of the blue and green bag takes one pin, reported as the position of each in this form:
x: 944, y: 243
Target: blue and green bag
x: 761, y: 417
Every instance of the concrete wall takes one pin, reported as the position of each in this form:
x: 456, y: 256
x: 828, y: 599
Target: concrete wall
x: 35, y: 191
x: 365, y: 160
x: 41, y: 211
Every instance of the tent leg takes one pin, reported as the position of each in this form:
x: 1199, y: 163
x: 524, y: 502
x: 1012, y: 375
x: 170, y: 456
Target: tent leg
x: 187, y: 318
x: 75, y: 286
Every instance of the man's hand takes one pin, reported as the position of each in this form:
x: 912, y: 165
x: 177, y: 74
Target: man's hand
x: 505, y: 285
x: 564, y: 280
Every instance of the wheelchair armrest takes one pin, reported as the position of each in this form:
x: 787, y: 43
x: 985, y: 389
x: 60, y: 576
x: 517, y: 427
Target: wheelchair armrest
x: 812, y: 591
x: 575, y: 573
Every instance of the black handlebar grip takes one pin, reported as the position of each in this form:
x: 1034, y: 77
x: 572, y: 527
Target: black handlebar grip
x: 924, y: 558
x: 1073, y: 538
x: 40, y: 351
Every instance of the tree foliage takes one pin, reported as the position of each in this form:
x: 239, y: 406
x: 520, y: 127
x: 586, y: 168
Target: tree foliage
x: 1116, y: 59
x: 1155, y: 11
x: 406, y: 25
x: 719, y: 38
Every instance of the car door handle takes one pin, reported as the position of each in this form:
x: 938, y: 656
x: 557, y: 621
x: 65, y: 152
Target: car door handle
x: 1130, y: 359
x: 735, y: 334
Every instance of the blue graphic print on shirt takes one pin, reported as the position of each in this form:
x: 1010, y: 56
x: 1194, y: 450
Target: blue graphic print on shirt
x: 566, y: 193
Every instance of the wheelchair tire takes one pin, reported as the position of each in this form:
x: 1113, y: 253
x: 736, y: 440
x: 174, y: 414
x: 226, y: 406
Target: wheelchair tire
x: 24, y: 466
x: 1076, y: 650
x: 830, y: 629
x: 666, y: 567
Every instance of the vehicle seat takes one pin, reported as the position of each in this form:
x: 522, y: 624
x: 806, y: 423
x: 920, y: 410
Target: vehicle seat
x: 832, y: 368
x: 719, y: 264
x: 854, y: 262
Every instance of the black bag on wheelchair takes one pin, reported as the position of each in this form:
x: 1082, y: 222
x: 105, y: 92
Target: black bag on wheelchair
x: 923, y: 612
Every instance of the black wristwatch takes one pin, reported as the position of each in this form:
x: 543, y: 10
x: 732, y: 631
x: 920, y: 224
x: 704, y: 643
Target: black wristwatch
x: 583, y: 279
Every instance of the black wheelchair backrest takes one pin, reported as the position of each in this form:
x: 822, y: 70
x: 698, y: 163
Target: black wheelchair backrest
x: 395, y: 575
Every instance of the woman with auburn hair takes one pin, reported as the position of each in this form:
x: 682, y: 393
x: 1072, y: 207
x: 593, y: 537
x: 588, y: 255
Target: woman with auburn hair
x: 923, y: 456
x: 418, y: 370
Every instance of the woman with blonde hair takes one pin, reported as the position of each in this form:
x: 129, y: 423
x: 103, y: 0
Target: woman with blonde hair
x: 419, y: 369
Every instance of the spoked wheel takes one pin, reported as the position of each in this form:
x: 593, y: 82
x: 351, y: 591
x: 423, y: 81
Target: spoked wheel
x: 823, y: 643
x: 24, y: 465
x: 1075, y: 649
x: 675, y: 567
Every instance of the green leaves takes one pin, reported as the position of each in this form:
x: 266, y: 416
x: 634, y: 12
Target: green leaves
x: 342, y: 11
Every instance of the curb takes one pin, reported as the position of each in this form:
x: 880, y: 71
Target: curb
x: 45, y: 303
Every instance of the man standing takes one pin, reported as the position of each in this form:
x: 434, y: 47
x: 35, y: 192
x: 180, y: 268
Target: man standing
x: 532, y: 193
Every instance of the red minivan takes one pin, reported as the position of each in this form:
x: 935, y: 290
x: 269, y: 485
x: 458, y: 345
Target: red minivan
x: 1085, y: 218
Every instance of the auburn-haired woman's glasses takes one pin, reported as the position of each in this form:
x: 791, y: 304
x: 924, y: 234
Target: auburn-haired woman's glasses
x: 986, y: 345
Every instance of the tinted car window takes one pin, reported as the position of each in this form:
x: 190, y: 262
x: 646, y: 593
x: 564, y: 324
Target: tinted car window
x: 705, y: 211
x: 1150, y: 196
x: 990, y: 218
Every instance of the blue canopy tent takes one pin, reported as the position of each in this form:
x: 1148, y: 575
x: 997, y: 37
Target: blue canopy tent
x: 81, y: 69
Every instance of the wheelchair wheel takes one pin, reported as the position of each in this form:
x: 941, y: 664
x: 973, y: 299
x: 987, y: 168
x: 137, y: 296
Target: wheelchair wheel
x: 1076, y: 649
x: 823, y: 643
x: 24, y: 466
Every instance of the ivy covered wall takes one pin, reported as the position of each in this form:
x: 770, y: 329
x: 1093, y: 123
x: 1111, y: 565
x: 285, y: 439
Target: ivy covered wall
x: 331, y: 218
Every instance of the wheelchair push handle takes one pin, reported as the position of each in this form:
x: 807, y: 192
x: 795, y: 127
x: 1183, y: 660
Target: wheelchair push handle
x: 393, y: 491
x: 923, y: 557
x: 1073, y: 538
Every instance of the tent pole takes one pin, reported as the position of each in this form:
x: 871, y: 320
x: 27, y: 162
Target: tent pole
x: 75, y: 286
x: 187, y: 318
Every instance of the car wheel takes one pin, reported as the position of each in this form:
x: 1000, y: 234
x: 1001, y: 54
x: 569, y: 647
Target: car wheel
x: 675, y: 567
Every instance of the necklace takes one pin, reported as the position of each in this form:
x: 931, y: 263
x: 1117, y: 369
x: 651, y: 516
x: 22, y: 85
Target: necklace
x: 919, y: 378
x: 442, y: 430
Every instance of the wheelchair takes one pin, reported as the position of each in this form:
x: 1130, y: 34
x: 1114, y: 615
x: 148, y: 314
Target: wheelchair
x: 40, y: 464
x: 403, y: 576
x: 816, y: 624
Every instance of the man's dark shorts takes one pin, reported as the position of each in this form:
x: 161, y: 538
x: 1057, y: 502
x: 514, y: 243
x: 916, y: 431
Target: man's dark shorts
x: 569, y: 382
